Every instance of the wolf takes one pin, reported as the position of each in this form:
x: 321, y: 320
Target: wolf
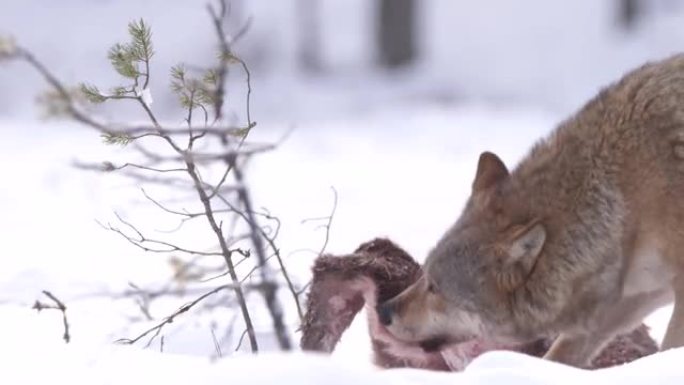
x: 342, y: 285
x: 580, y: 241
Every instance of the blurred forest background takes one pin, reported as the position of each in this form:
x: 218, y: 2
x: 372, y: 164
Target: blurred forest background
x: 347, y: 56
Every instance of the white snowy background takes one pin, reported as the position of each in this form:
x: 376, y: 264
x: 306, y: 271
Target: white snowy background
x: 400, y: 149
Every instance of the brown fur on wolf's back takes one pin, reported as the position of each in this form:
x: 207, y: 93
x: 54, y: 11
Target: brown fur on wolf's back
x: 335, y: 299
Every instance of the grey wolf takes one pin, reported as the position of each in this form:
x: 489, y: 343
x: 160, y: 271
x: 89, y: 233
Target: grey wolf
x: 581, y: 240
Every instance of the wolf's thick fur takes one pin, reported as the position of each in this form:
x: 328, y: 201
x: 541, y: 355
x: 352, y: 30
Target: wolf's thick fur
x: 583, y: 239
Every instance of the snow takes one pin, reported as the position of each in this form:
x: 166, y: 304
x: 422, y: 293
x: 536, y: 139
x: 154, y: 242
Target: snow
x: 32, y: 355
x: 39, y: 359
x: 400, y: 149
x: 85, y: 259
x: 146, y: 95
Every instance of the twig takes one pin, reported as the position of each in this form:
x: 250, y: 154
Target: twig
x: 77, y: 114
x: 142, y: 300
x: 256, y: 230
x: 242, y: 337
x: 238, y: 263
x: 184, y: 213
x: 58, y: 305
x: 108, y: 166
x: 254, y: 269
x: 270, y: 289
x: 217, y: 18
x: 171, y: 318
x: 328, y: 220
x: 242, y: 31
x: 200, y: 157
x: 153, y: 293
x: 327, y: 226
x: 306, y: 286
x: 140, y: 242
x: 217, y: 346
x: 225, y: 250
x: 218, y: 131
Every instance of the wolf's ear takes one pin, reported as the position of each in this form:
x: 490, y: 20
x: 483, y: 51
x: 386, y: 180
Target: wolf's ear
x: 490, y: 170
x: 521, y: 255
x: 527, y: 243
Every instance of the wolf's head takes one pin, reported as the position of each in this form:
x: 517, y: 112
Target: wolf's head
x: 470, y: 276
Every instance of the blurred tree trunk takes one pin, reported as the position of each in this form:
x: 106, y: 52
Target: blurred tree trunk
x: 628, y: 12
x: 309, y: 34
x: 396, y: 32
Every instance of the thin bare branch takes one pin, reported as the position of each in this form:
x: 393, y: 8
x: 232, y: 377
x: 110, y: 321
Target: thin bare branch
x: 249, y: 91
x: 255, y: 269
x: 202, y: 157
x: 142, y: 300
x: 258, y: 231
x: 237, y: 36
x: 225, y: 250
x: 270, y: 289
x: 329, y: 219
x: 108, y: 166
x: 51, y: 79
x: 242, y: 337
x: 218, y: 131
x: 217, y: 346
x: 142, y: 240
x: 218, y: 19
x: 58, y: 305
x: 306, y: 286
x: 156, y: 329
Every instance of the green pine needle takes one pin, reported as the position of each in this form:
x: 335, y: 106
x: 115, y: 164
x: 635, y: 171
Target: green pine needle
x: 178, y: 78
x: 126, y: 57
x: 210, y: 78
x: 191, y: 92
x: 228, y: 57
x: 141, y: 45
x: 116, y: 138
x: 205, y: 96
x: 123, y: 60
x: 119, y: 91
x: 92, y: 93
x: 54, y: 104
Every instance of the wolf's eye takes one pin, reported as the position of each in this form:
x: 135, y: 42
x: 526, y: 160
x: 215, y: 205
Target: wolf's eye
x: 431, y: 288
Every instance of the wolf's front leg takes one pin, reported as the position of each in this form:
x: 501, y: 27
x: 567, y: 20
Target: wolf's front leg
x: 576, y: 350
x: 579, y: 349
x: 674, y: 337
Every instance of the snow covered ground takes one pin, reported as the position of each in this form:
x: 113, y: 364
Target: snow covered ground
x: 133, y: 367
x: 407, y: 185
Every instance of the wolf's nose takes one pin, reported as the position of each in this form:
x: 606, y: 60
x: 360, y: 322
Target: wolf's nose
x: 385, y: 313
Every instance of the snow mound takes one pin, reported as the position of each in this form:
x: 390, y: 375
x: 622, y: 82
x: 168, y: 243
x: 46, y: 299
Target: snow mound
x: 79, y: 364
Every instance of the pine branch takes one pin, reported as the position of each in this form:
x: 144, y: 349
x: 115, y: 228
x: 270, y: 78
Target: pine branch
x: 198, y: 91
